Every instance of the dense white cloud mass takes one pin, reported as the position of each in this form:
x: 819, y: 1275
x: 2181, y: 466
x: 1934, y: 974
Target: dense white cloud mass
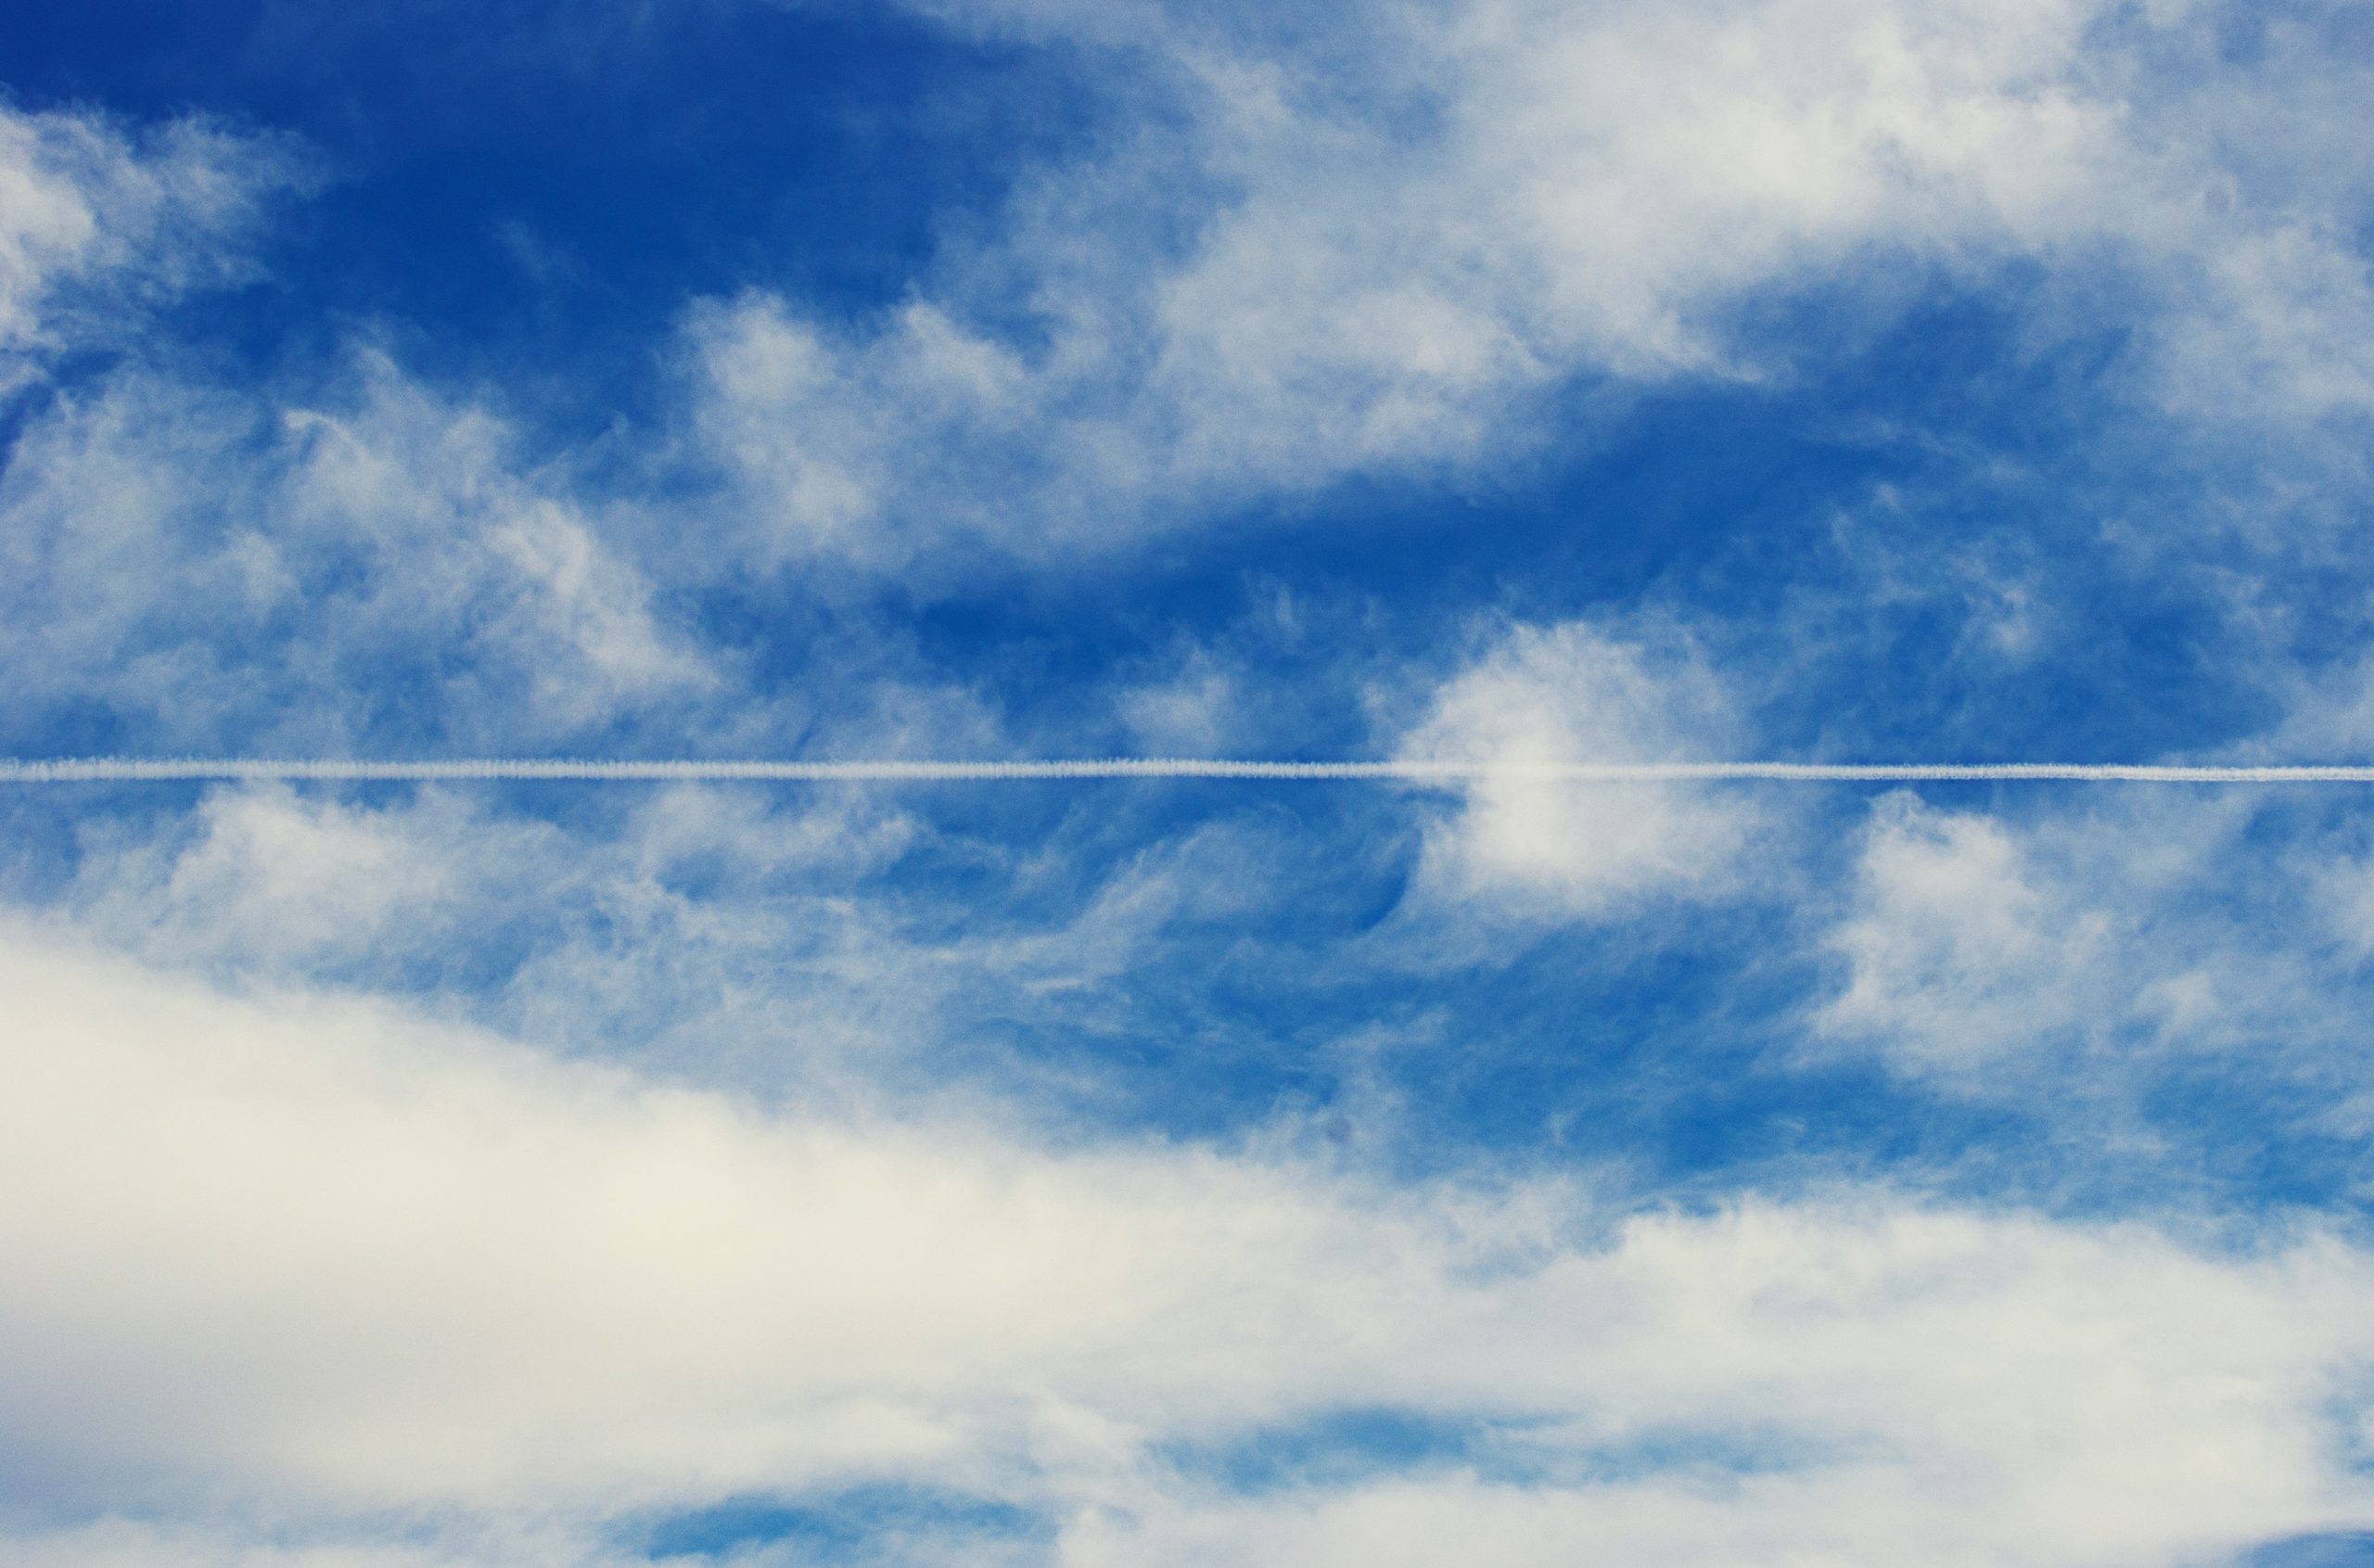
x: 122, y: 1544
x: 312, y: 1250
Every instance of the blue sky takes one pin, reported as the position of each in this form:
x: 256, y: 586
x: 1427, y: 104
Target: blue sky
x: 1172, y: 1171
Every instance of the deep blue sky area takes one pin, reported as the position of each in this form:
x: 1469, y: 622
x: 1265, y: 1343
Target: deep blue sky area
x: 541, y: 193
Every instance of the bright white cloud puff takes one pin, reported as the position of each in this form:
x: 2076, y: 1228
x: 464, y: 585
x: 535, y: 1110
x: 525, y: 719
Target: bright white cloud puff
x: 1574, y: 693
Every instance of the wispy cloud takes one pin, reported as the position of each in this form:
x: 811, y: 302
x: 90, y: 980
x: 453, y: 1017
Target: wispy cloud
x: 1406, y: 231
x: 97, y: 219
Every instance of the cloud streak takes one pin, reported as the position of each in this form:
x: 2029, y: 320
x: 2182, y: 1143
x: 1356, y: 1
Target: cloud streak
x: 143, y: 769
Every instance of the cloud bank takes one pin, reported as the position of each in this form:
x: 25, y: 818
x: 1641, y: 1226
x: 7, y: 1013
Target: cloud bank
x: 313, y: 1251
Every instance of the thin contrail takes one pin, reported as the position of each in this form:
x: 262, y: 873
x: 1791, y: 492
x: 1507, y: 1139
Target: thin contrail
x: 141, y: 770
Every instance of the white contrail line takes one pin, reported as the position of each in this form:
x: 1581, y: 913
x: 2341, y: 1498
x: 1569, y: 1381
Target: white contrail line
x: 140, y: 770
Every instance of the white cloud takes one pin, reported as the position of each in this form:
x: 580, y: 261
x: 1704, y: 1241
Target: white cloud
x: 94, y: 219
x: 320, y: 1259
x: 789, y: 942
x: 270, y: 878
x: 697, y: 923
x: 821, y: 427
x: 221, y: 572
x: 1189, y: 712
x: 1576, y: 692
x: 1370, y: 243
x: 118, y: 1543
x: 1954, y: 954
x: 2086, y: 944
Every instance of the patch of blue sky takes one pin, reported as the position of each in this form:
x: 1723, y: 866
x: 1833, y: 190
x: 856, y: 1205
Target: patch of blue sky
x: 533, y: 201
x: 1353, y: 1446
x: 861, y: 1525
x: 2348, y: 1550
